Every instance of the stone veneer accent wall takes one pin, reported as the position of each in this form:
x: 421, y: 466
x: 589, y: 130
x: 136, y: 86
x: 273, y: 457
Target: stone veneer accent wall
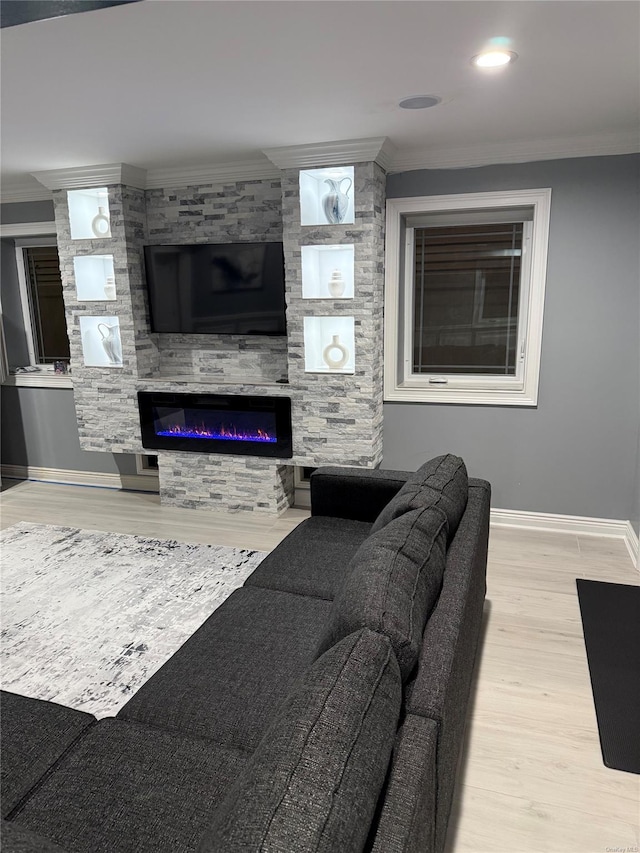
x: 105, y: 397
x: 241, y: 211
x: 339, y: 419
x: 232, y: 483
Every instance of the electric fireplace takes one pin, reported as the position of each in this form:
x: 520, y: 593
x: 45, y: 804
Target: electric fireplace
x: 216, y: 423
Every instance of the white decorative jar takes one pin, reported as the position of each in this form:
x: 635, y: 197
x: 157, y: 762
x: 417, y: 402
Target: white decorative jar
x: 110, y: 288
x: 336, y: 284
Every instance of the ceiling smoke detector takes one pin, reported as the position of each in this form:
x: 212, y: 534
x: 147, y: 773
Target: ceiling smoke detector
x: 419, y: 102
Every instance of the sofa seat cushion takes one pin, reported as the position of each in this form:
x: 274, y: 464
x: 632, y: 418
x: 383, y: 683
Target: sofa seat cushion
x: 128, y: 788
x: 393, y: 583
x: 313, y: 558
x: 227, y: 681
x: 314, y: 781
x: 33, y: 736
x: 442, y: 482
x: 14, y: 839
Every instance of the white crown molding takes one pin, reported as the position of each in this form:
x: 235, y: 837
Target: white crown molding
x: 27, y: 229
x: 577, y: 524
x: 378, y: 149
x: 18, y: 193
x: 92, y: 176
x: 603, y: 144
x: 242, y: 170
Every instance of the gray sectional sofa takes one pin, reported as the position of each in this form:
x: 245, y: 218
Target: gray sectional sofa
x: 320, y: 708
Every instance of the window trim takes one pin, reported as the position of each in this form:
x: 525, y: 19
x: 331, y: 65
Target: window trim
x: 28, y: 314
x: 509, y: 391
x: 34, y: 234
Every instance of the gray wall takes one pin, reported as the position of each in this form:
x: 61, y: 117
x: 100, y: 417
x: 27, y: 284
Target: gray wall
x: 576, y: 453
x: 27, y: 211
x: 38, y: 425
x: 39, y: 428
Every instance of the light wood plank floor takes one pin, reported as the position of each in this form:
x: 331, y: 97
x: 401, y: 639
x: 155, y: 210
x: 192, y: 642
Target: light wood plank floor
x: 532, y: 777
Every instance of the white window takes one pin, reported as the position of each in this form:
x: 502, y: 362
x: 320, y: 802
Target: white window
x: 34, y: 327
x: 464, y: 297
x: 42, y: 302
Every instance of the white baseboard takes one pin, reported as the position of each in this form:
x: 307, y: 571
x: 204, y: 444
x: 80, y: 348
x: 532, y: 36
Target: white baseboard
x: 130, y: 482
x: 583, y: 525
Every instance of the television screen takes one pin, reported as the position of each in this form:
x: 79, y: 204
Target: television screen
x: 217, y: 288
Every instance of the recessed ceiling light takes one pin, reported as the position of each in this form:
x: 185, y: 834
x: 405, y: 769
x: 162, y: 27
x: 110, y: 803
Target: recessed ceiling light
x: 494, y: 58
x: 419, y: 102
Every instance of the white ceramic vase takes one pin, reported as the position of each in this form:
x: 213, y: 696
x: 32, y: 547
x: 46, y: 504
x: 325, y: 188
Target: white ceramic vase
x: 330, y: 351
x: 336, y: 202
x: 336, y: 284
x: 100, y: 224
x: 110, y: 336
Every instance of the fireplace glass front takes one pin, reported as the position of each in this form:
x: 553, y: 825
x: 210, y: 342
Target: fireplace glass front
x: 216, y: 423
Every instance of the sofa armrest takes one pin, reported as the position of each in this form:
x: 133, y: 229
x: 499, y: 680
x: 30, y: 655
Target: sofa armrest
x: 442, y: 685
x: 356, y: 493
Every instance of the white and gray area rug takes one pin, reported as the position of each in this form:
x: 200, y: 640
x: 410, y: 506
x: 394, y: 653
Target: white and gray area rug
x: 87, y: 617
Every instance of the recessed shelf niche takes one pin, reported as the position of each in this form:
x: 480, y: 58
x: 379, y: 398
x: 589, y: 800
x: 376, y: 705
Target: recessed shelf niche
x: 95, y: 278
x: 327, y: 272
x: 101, y: 345
x: 329, y: 345
x: 89, y: 214
x: 326, y: 196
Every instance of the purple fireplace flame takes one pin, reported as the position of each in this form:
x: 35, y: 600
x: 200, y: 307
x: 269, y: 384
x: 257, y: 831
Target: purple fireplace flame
x: 224, y: 433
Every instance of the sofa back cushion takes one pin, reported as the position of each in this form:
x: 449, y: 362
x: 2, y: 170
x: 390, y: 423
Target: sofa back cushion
x: 442, y: 482
x: 393, y: 583
x: 313, y: 782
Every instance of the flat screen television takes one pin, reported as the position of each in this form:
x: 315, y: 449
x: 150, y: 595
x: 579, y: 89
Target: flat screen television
x: 217, y: 288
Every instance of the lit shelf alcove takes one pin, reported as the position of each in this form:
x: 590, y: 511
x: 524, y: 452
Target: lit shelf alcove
x: 326, y: 196
x: 329, y: 345
x: 327, y: 272
x: 101, y: 345
x: 89, y: 214
x: 95, y: 278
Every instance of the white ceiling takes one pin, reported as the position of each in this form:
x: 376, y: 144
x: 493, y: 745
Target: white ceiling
x: 175, y: 83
